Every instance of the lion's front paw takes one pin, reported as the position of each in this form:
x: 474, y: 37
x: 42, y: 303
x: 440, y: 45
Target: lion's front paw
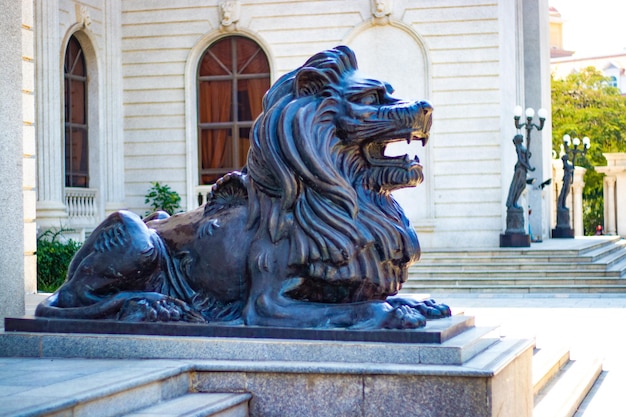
x: 158, y: 307
x: 428, y: 308
x: 404, y: 317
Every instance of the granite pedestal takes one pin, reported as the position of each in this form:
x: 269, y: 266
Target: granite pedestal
x: 515, y: 236
x: 562, y: 229
x: 458, y: 369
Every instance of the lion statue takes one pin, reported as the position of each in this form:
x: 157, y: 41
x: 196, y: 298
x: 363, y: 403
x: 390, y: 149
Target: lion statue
x: 306, y: 235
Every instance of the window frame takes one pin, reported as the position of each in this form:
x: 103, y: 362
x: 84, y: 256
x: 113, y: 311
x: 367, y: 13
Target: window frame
x: 235, y: 125
x: 69, y: 127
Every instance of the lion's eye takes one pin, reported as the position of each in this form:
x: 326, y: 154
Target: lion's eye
x: 369, y: 99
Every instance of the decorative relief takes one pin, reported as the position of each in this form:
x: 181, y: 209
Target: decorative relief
x: 229, y: 14
x: 381, y: 10
x: 82, y: 16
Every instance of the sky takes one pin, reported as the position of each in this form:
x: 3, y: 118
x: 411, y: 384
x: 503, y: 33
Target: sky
x: 593, y: 27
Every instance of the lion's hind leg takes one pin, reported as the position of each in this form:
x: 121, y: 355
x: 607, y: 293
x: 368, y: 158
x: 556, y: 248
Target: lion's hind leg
x: 117, y: 274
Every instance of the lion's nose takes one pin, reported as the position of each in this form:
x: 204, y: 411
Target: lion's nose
x: 427, y: 108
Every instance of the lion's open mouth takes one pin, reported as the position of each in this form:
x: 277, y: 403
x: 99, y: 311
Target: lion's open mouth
x: 374, y: 152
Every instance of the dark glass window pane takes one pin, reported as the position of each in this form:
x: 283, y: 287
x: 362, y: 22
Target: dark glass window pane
x: 217, y: 60
x: 75, y: 112
x: 216, y: 148
x: 216, y: 97
x: 244, y: 145
x: 77, y: 102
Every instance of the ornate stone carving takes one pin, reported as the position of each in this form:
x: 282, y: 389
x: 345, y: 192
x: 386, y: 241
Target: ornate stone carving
x: 381, y: 10
x: 229, y: 14
x: 307, y: 235
x: 83, y: 16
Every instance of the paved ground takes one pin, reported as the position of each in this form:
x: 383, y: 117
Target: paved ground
x: 589, y: 325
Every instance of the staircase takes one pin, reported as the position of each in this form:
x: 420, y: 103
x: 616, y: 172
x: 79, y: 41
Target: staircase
x: 136, y: 393
x: 581, y: 265
x: 559, y: 383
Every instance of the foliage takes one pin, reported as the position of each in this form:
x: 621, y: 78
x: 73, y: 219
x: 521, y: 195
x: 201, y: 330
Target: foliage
x: 162, y: 197
x: 53, y: 259
x: 584, y: 104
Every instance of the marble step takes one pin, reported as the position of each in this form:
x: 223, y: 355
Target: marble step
x: 199, y: 405
x: 607, y: 258
x: 109, y: 388
x: 525, y: 288
x: 514, y: 270
x: 512, y: 280
x: 562, y: 394
x: 586, y: 249
x: 547, y: 362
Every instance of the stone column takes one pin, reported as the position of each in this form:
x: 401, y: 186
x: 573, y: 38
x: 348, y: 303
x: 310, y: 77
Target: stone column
x: 536, y: 78
x: 609, y: 205
x: 614, y: 193
x: 577, y: 201
x: 29, y: 148
x: 49, y: 129
x: 113, y: 112
x: 11, y: 162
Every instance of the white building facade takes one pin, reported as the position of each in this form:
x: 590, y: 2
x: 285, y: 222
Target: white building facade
x: 129, y: 98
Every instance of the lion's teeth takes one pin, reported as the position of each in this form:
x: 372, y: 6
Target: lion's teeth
x: 408, y: 140
x: 406, y: 157
x: 416, y: 159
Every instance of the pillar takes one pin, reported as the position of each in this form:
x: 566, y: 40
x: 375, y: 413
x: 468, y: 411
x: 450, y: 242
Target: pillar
x: 609, y: 205
x: 113, y: 108
x: 49, y: 129
x: 11, y: 161
x: 536, y: 53
x: 614, y: 193
x: 577, y: 201
x: 29, y: 148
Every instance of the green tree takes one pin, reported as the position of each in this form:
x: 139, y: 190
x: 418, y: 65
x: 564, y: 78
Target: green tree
x: 162, y: 197
x: 584, y: 104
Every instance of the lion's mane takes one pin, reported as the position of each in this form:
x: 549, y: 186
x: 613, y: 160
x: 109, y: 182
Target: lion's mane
x: 307, y: 186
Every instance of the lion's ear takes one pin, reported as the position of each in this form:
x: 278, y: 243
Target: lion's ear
x: 309, y: 81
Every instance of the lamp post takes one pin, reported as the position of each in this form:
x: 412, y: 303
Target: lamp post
x: 570, y: 150
x: 515, y: 234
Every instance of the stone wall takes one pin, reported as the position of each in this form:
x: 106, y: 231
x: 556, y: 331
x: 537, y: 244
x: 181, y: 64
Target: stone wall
x: 470, y: 68
x: 468, y: 59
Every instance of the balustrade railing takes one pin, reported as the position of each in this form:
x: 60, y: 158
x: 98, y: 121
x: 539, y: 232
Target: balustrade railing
x: 81, y: 207
x: 201, y: 193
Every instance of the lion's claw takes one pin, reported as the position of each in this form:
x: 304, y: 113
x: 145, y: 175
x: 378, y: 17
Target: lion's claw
x: 404, y: 317
x: 428, y: 308
x: 157, y: 307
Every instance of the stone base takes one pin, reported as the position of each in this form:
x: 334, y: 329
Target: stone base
x: 475, y: 373
x: 562, y: 233
x: 437, y: 331
x: 496, y: 383
x: 514, y: 240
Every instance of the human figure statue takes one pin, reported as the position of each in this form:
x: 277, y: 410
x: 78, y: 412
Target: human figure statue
x: 518, y: 183
x: 568, y: 178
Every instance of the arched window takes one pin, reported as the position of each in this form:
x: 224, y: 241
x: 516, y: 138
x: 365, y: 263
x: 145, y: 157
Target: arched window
x: 76, y: 144
x: 233, y: 75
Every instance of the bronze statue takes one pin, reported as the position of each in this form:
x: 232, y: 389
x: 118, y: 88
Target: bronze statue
x: 307, y: 235
x: 518, y: 183
x: 568, y: 178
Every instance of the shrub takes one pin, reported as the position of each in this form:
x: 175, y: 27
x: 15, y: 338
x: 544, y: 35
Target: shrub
x: 53, y: 259
x: 161, y: 197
